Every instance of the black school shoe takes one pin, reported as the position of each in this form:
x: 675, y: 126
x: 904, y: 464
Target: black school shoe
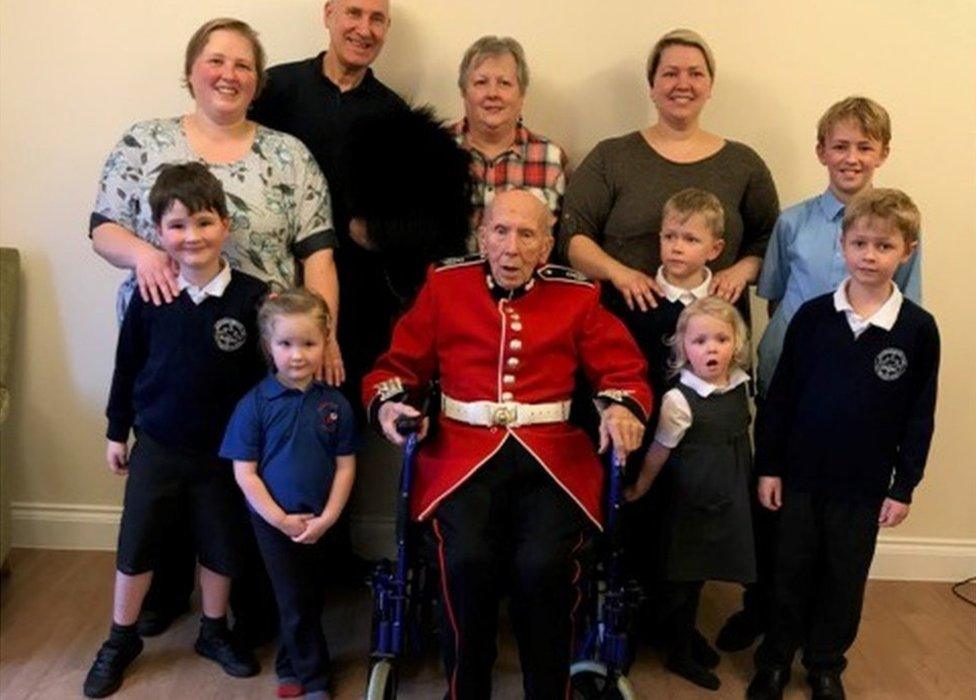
x: 826, y: 686
x: 702, y: 652
x: 768, y: 684
x: 105, y: 675
x: 221, y: 647
x: 691, y: 670
x: 739, y: 632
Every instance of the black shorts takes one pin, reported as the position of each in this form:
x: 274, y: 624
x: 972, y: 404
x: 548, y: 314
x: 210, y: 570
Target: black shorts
x: 166, y: 486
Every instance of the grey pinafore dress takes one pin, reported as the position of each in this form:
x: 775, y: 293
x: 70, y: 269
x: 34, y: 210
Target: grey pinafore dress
x: 708, y: 532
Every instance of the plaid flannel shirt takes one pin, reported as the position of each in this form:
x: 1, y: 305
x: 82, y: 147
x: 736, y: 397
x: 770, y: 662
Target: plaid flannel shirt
x: 532, y: 163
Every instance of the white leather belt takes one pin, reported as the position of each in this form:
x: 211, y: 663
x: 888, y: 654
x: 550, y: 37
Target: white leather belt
x: 508, y: 413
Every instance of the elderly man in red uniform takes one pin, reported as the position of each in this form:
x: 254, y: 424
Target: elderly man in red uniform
x: 511, y: 488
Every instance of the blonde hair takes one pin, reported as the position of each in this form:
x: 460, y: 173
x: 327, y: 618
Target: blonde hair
x: 679, y: 37
x: 292, y: 302
x: 202, y: 35
x: 691, y: 201
x: 871, y: 117
x: 891, y: 206
x: 718, y: 309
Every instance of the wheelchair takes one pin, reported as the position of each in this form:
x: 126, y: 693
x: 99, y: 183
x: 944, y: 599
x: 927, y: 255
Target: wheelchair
x: 606, y: 651
x: 403, y: 592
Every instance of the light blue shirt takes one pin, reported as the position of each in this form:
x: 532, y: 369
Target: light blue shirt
x: 804, y: 260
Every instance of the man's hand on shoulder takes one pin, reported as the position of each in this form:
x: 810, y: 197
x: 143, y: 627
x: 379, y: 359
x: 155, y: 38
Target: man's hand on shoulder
x: 359, y: 233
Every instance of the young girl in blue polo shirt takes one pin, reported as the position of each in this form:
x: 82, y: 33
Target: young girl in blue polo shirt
x: 293, y: 442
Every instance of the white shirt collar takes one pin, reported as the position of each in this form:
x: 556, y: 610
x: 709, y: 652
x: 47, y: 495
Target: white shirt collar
x: 884, y: 317
x: 213, y: 288
x: 706, y: 389
x: 685, y: 296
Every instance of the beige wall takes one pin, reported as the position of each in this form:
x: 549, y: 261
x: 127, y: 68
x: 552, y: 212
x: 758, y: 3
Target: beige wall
x: 73, y: 75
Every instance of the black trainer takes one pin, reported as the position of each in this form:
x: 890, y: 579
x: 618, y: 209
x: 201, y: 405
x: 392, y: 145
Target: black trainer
x: 702, y: 652
x: 739, y: 632
x: 826, y: 686
x: 693, y: 671
x: 105, y: 675
x: 768, y: 684
x: 221, y: 647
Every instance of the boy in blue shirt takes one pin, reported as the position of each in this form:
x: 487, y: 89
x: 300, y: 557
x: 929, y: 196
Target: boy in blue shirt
x: 179, y: 370
x: 841, y: 443
x: 804, y: 260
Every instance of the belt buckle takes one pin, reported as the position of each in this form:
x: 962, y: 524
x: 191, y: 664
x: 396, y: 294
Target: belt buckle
x: 504, y: 414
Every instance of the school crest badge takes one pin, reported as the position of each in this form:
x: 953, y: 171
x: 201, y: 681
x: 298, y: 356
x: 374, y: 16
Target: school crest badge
x: 229, y: 334
x: 890, y: 364
x: 328, y: 416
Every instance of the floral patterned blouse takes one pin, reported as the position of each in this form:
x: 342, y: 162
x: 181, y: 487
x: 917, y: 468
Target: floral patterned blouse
x: 277, y: 198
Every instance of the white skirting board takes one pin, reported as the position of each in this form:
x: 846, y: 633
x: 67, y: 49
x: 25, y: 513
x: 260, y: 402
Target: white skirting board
x: 81, y: 526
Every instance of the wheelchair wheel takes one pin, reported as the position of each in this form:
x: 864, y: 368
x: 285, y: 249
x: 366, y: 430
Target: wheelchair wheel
x: 382, y: 681
x: 589, y: 681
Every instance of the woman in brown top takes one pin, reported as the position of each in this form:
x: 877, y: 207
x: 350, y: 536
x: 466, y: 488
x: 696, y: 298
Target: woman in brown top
x: 612, y: 211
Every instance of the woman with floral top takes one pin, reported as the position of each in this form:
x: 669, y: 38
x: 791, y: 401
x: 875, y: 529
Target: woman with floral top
x: 278, y: 200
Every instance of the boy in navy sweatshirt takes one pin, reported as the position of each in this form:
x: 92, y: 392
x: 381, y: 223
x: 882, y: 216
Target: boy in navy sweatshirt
x: 841, y: 443
x: 180, y: 369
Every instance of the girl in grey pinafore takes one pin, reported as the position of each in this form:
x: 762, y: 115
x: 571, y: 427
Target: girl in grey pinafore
x: 703, y: 437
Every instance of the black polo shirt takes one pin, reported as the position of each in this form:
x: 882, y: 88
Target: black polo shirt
x: 300, y: 100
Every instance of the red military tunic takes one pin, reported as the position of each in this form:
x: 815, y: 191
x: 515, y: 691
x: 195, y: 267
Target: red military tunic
x: 487, y: 344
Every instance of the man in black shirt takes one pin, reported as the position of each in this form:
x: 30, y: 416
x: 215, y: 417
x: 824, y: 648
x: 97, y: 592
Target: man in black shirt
x: 320, y: 100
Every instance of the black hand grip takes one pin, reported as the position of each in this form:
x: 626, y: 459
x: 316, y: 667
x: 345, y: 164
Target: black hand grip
x: 405, y: 425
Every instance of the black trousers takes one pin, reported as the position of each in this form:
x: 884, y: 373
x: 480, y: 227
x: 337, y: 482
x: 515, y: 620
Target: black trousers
x: 757, y: 596
x: 823, y: 553
x: 297, y: 574
x: 509, y: 529
x: 679, y: 608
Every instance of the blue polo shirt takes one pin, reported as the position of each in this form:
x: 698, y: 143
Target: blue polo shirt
x: 295, y: 436
x: 804, y: 260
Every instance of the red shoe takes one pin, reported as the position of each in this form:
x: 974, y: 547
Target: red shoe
x: 290, y: 689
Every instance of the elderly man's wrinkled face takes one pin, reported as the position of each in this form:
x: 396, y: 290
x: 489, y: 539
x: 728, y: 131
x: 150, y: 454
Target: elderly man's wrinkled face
x: 357, y: 30
x: 515, y: 237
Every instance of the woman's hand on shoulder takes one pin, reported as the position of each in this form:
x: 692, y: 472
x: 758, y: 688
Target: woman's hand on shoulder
x: 156, y: 273
x: 638, y: 289
x: 730, y: 283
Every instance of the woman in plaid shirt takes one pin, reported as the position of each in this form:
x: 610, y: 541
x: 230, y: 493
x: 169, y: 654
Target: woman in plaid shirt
x: 493, y: 77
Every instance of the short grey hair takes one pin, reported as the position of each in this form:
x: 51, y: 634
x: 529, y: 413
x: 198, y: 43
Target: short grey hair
x: 494, y: 46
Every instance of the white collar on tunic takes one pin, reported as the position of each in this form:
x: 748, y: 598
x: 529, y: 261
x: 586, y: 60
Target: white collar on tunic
x: 884, y: 317
x: 685, y: 296
x: 706, y: 389
x: 213, y: 288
